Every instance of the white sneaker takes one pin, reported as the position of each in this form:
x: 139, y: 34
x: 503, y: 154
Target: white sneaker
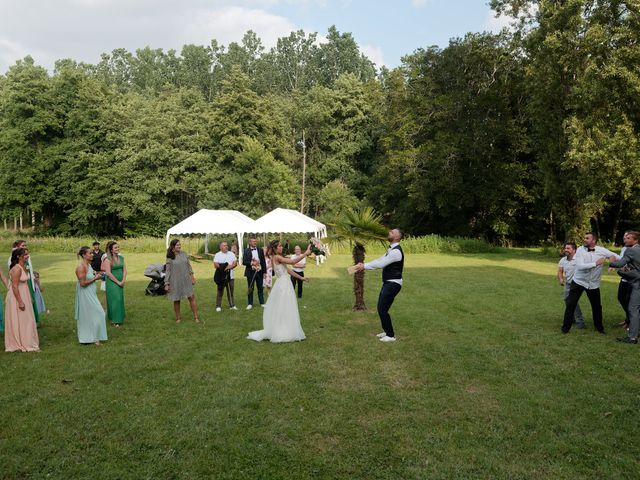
x: 218, y: 309
x: 249, y: 307
x: 388, y: 339
x: 234, y: 308
x: 262, y: 305
x: 381, y: 335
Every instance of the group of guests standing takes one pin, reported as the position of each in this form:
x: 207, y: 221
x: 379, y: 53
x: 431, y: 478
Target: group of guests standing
x: 258, y: 270
x: 580, y: 271
x: 281, y: 320
x: 110, y: 270
x: 24, y: 302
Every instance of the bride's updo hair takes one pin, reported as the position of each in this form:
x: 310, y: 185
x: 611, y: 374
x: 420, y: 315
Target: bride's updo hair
x: 273, y: 245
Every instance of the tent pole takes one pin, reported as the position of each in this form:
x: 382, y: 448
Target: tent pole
x: 206, y: 244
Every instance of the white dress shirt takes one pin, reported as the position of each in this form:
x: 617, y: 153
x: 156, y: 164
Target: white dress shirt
x: 569, y: 268
x: 392, y: 255
x: 587, y: 273
x: 228, y: 257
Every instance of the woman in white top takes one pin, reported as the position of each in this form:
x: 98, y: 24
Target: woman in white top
x: 299, y: 269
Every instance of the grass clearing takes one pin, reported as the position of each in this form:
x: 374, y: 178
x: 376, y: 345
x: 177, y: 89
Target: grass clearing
x: 481, y: 384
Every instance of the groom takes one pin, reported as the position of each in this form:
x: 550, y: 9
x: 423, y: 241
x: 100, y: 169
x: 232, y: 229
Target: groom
x: 392, y: 264
x: 255, y: 268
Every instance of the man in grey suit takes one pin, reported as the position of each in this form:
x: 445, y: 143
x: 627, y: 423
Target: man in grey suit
x: 629, y: 269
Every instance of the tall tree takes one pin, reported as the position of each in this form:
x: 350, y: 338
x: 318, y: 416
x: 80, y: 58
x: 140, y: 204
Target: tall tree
x: 456, y: 149
x: 28, y: 125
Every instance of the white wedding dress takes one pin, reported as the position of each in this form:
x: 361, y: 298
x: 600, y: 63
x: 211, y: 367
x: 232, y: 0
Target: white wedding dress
x: 280, y: 318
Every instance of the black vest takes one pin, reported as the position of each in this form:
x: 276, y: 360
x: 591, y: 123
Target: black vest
x: 393, y: 271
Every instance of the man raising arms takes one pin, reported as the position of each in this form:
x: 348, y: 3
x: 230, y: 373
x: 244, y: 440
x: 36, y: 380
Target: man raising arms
x: 392, y: 264
x: 589, y: 260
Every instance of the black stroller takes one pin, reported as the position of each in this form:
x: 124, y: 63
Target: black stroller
x: 155, y: 272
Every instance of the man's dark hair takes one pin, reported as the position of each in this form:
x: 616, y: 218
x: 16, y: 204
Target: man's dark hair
x: 571, y: 244
x: 95, y: 243
x: 594, y: 235
x: 401, y: 232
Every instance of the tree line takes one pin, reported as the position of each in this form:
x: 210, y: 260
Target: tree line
x: 523, y: 136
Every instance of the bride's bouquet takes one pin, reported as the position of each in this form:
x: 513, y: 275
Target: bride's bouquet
x: 317, y: 247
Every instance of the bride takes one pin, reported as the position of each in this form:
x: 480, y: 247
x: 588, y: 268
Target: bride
x: 281, y: 319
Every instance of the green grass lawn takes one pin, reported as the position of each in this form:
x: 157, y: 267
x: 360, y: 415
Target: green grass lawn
x: 480, y: 384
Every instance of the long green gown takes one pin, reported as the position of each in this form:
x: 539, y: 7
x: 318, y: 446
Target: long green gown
x: 89, y: 313
x: 115, y: 294
x: 33, y: 292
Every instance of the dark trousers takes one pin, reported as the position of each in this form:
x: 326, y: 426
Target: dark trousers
x: 228, y: 285
x: 255, y: 280
x: 385, y: 300
x: 624, y: 295
x: 575, y: 292
x: 295, y: 281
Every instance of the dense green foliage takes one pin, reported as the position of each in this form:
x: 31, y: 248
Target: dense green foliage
x: 523, y: 136
x: 196, y: 244
x: 479, y: 385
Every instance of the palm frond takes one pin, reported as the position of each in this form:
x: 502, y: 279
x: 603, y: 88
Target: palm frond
x: 360, y: 226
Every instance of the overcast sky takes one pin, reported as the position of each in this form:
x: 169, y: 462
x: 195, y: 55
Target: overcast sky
x: 83, y: 29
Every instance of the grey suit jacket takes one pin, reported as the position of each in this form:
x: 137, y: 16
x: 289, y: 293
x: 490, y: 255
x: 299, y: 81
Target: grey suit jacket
x: 631, y: 260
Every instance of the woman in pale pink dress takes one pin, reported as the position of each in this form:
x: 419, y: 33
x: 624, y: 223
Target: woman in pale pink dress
x: 267, y: 282
x: 20, y: 332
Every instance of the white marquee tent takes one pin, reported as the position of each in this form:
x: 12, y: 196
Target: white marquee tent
x: 282, y: 220
x: 207, y: 222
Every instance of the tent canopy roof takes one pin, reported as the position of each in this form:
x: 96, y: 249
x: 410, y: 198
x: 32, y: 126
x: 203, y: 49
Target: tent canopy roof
x: 282, y: 220
x: 213, y: 222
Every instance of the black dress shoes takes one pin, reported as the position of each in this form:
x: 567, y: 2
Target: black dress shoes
x: 628, y: 340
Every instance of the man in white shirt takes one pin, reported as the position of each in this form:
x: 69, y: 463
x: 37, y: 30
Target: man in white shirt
x: 589, y: 260
x: 566, y: 269
x: 224, y: 261
x: 392, y: 264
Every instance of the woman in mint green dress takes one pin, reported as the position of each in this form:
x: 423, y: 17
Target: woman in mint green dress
x: 116, y: 277
x: 89, y: 313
